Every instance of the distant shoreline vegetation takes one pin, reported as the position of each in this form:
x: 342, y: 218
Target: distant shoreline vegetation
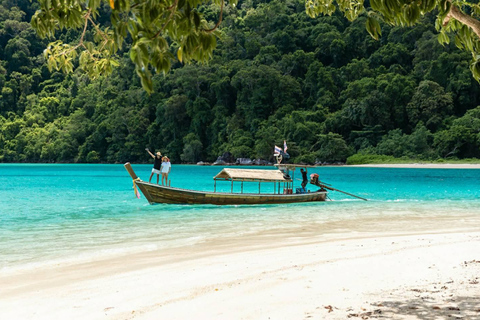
x: 357, y: 159
x: 382, y: 159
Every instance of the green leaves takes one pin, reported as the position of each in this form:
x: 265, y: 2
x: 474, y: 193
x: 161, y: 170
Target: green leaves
x: 457, y: 17
x: 60, y: 56
x: 427, y: 5
x: 351, y: 8
x: 402, y: 12
x: 153, y: 26
x: 180, y: 54
x: 168, y: 30
x: 464, y: 36
x: 443, y: 38
x: 373, y: 27
x: 56, y: 15
x: 316, y: 7
x: 444, y: 7
x: 475, y: 68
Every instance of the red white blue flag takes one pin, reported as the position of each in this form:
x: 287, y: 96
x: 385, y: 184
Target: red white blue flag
x: 277, y: 150
x: 285, y: 146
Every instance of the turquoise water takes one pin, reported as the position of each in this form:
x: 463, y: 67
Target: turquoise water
x: 51, y: 213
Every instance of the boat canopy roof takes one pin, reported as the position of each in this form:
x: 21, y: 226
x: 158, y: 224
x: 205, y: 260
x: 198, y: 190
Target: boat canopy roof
x: 251, y: 175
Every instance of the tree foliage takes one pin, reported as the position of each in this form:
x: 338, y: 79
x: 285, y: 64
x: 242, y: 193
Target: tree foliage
x: 157, y: 30
x: 323, y: 85
x: 456, y: 18
x: 160, y: 32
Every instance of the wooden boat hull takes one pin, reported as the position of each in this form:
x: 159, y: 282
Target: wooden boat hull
x: 161, y: 194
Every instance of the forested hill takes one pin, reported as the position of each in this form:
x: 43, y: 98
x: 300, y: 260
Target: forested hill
x: 323, y: 85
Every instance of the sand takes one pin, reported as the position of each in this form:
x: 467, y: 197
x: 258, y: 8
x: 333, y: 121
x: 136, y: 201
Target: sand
x: 428, y: 273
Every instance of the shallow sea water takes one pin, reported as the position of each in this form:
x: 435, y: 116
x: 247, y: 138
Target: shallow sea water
x: 52, y: 213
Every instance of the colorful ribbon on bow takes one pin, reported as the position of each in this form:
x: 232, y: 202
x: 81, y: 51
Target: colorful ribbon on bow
x: 137, y: 194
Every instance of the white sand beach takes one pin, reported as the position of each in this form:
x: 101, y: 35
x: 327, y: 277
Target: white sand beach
x: 431, y: 271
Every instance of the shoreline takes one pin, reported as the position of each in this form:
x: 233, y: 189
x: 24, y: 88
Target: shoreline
x: 380, y: 165
x: 394, y: 273
x: 419, y: 166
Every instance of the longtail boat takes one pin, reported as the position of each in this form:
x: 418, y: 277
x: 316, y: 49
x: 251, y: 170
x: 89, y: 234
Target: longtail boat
x: 155, y: 193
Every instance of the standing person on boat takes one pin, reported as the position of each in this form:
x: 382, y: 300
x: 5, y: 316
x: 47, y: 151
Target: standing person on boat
x: 156, y: 164
x: 166, y: 167
x: 304, y: 178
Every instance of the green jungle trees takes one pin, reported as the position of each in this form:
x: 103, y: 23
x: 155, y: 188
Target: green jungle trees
x: 324, y: 85
x: 157, y: 31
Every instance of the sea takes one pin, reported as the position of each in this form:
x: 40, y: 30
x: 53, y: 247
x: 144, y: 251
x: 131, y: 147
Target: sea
x: 72, y: 213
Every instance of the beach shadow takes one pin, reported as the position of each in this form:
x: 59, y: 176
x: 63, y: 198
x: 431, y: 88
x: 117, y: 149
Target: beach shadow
x: 423, y: 307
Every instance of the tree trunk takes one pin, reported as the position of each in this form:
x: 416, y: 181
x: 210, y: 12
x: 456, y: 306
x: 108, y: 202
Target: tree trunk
x: 464, y: 18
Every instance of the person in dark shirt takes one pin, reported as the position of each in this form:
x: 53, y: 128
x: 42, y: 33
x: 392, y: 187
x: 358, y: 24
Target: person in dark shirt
x: 304, y: 178
x: 156, y: 165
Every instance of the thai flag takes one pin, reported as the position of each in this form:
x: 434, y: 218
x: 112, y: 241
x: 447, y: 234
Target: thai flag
x: 277, y: 150
x: 285, y: 146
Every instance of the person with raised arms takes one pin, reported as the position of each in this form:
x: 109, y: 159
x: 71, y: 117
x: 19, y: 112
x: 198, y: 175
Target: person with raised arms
x: 156, y: 165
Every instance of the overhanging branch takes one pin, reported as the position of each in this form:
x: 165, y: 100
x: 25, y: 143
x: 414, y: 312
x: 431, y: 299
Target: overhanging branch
x: 220, y: 18
x: 464, y: 18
